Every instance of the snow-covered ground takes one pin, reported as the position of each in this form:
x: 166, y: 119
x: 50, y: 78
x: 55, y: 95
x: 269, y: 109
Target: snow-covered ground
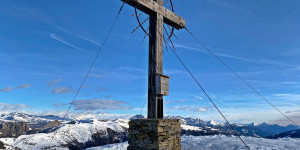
x: 221, y: 142
x: 192, y: 128
x: 81, y: 132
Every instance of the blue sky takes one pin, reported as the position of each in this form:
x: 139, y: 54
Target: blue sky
x: 47, y: 46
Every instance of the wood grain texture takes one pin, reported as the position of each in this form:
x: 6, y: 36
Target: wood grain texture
x: 157, y: 86
x: 155, y: 62
x: 151, y: 7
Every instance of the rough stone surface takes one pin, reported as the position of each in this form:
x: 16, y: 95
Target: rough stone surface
x: 154, y: 134
x: 52, y: 124
x: 13, y: 129
x: 2, y: 145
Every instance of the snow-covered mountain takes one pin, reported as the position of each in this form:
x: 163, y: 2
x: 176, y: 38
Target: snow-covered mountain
x: 190, y: 126
x: 18, y: 116
x: 215, y: 128
x: 273, y: 129
x: 34, y: 121
x: 72, y: 136
x: 73, y: 133
x: 290, y: 134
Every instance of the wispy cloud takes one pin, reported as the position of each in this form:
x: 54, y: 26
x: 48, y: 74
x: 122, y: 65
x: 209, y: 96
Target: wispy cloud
x: 283, y: 121
x: 58, y: 105
x: 174, y: 102
x: 198, y: 98
x: 53, y: 82
x: 96, y: 75
x: 99, y: 89
x: 62, y: 90
x: 293, y: 111
x: 100, y: 104
x: 12, y: 107
x: 7, y: 89
x: 24, y: 86
x: 27, y: 12
x: 265, y: 61
x: 288, y: 96
x: 84, y: 86
x: 191, y: 108
x: 227, y: 5
x: 55, y: 37
x: 126, y: 68
x: 290, y: 82
x: 82, y: 115
x: 108, y: 96
x: 74, y: 34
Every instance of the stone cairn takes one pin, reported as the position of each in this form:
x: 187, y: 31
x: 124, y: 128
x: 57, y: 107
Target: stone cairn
x: 154, y: 134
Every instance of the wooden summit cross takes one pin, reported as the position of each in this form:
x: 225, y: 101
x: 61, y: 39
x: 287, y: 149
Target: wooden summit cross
x: 158, y: 84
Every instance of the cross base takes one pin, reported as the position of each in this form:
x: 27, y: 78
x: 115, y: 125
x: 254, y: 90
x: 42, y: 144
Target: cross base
x: 154, y: 134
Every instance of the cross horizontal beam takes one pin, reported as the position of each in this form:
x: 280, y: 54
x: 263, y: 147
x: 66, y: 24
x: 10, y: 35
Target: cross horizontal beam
x: 150, y: 7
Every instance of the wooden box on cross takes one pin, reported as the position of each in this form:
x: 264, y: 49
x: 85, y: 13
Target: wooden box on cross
x: 163, y: 84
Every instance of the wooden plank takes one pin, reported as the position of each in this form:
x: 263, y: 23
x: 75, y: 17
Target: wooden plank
x: 163, y: 82
x: 155, y: 63
x: 151, y: 7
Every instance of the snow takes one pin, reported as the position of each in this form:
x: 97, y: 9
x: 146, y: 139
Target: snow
x: 214, y: 123
x: 233, y: 143
x: 192, y: 128
x: 119, y: 146
x: 82, y: 132
x: 68, y: 133
x: 15, y: 116
x: 122, y: 122
x: 256, y: 124
x: 220, y: 142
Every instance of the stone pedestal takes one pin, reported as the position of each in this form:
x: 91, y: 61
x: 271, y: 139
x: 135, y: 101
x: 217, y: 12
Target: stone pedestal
x: 154, y: 134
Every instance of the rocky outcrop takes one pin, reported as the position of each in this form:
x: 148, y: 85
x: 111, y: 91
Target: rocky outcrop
x: 49, y: 127
x: 13, y: 129
x: 52, y: 124
x: 99, y: 139
x: 2, y: 145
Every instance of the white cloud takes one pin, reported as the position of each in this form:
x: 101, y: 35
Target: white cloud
x: 58, y: 105
x: 202, y: 109
x: 62, y: 90
x: 24, y: 86
x: 174, y: 102
x: 7, y: 89
x: 12, y: 107
x: 131, y: 69
x: 266, y: 61
x: 53, y: 82
x: 289, y: 97
x: 290, y: 82
x: 198, y: 98
x: 293, y: 111
x: 191, y: 108
x: 284, y: 121
x: 100, y: 104
x: 87, y: 115
x: 55, y: 37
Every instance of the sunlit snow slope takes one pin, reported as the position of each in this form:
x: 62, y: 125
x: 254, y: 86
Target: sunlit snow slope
x: 221, y: 142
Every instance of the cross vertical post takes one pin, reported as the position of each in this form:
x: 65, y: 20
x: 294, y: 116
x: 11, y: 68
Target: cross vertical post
x: 155, y: 132
x: 155, y: 100
x: 158, y: 84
